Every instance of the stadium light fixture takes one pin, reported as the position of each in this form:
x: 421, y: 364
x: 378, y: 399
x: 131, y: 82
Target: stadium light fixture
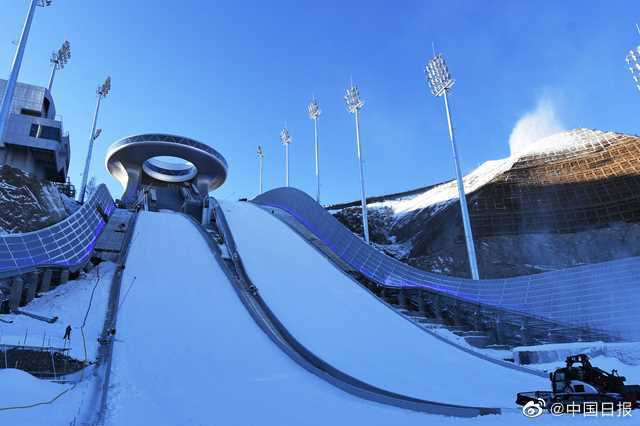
x: 440, y: 82
x: 260, y: 167
x: 314, y: 113
x: 102, y: 92
x: 285, y: 139
x: 7, y: 99
x: 59, y: 59
x: 633, y: 60
x: 354, y: 105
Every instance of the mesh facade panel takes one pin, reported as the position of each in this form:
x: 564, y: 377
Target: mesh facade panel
x: 592, y: 183
x: 604, y: 297
x: 67, y: 244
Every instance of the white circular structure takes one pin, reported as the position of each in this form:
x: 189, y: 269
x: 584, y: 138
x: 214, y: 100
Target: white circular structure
x: 133, y: 162
x: 169, y: 172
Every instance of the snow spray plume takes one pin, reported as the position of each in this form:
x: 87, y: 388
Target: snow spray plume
x: 534, y: 125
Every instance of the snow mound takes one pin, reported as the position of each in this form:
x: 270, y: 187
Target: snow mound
x: 18, y: 388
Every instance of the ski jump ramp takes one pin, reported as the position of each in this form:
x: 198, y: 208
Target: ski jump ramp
x: 187, y: 352
x: 598, y: 299
x: 348, y: 328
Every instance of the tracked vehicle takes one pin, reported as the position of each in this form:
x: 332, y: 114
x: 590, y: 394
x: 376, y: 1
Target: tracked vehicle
x: 580, y: 385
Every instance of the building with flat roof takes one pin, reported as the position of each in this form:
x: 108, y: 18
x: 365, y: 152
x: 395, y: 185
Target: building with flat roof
x: 35, y: 140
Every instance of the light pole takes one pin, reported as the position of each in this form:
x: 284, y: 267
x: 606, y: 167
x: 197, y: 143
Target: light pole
x: 59, y: 59
x: 354, y: 103
x: 286, y: 140
x: 7, y: 99
x: 102, y: 92
x: 314, y: 113
x: 260, y: 167
x: 440, y: 82
x: 633, y: 60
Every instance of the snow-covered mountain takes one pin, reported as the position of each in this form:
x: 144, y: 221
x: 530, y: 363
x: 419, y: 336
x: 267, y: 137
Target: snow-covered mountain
x: 569, y: 199
x: 28, y: 204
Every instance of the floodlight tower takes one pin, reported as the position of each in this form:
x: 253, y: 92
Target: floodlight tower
x: 260, y: 167
x: 354, y: 104
x: 633, y: 60
x: 286, y: 141
x: 102, y: 92
x: 314, y: 113
x: 440, y: 82
x: 7, y: 99
x: 59, y: 59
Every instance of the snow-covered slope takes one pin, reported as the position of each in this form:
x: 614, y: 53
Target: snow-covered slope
x: 70, y: 303
x: 569, y: 192
x: 350, y: 329
x: 441, y: 195
x: 44, y: 403
x: 189, y: 353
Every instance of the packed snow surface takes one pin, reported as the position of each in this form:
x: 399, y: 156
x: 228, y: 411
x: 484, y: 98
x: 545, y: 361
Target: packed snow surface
x: 350, y: 329
x: 48, y: 403
x: 19, y: 388
x: 28, y: 401
x: 187, y: 351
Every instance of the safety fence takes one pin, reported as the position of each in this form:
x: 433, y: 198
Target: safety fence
x: 602, y: 297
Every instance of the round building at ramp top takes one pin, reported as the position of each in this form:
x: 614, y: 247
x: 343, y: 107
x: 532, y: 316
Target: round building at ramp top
x: 139, y: 163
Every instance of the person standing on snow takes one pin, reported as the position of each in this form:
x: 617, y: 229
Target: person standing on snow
x: 67, y: 333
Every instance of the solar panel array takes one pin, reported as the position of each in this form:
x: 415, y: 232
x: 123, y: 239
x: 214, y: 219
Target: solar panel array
x: 67, y: 244
x: 603, y: 297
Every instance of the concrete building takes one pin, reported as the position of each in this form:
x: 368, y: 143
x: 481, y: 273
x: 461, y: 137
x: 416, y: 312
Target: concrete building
x: 35, y: 140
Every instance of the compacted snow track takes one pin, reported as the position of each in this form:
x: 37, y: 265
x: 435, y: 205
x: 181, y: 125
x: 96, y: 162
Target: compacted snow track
x: 187, y: 352
x: 348, y: 328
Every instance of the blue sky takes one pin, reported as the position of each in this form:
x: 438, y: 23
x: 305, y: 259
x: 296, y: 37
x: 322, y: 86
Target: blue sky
x: 230, y: 73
